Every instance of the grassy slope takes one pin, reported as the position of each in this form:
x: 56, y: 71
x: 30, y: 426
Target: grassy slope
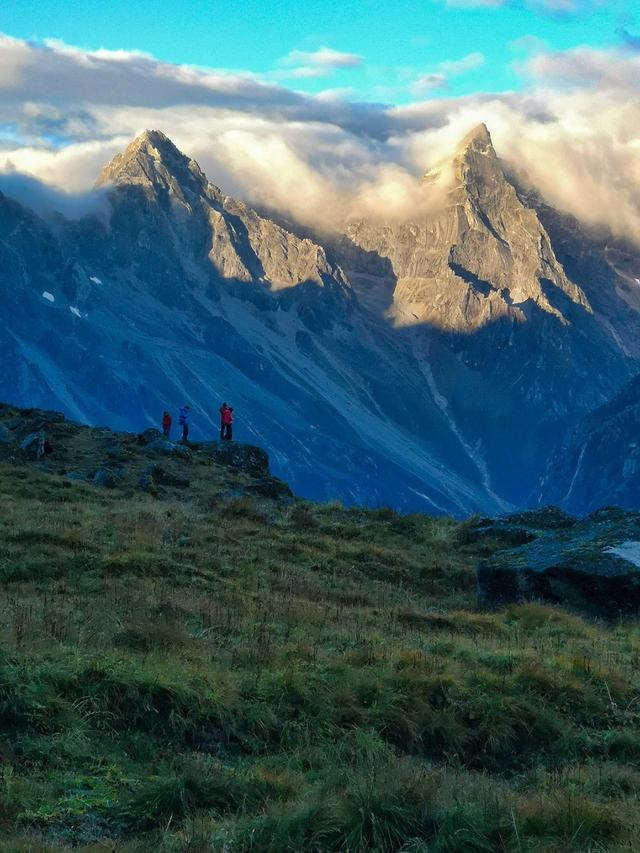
x: 187, y: 673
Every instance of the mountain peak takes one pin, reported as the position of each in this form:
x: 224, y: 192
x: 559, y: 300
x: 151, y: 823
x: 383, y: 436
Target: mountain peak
x: 479, y: 135
x: 476, y: 142
x: 152, y: 160
x: 151, y: 139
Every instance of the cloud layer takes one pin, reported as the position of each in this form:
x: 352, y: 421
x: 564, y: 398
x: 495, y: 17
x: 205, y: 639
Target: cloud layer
x: 574, y: 131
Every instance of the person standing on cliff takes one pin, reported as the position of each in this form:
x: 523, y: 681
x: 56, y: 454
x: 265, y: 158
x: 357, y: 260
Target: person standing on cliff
x: 183, y: 420
x: 226, y: 422
x: 166, y: 424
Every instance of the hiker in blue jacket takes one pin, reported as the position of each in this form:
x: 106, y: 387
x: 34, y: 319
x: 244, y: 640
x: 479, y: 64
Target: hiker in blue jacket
x: 183, y: 420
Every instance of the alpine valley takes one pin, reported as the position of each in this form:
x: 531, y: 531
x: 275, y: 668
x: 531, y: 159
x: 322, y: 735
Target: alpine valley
x: 463, y: 361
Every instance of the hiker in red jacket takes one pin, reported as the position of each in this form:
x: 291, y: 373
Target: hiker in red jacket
x: 226, y: 421
x: 166, y: 424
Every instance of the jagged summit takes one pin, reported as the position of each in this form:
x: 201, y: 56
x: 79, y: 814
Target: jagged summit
x: 478, y: 138
x: 482, y: 254
x: 476, y: 141
x: 153, y: 177
x: 153, y: 161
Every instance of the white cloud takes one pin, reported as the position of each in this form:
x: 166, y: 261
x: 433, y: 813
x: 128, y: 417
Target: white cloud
x: 424, y: 83
x: 588, y: 66
x: 439, y: 77
x: 324, y: 57
x: 460, y: 66
x: 574, y: 132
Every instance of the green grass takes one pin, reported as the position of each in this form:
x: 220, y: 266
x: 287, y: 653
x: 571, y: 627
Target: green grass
x: 194, y: 672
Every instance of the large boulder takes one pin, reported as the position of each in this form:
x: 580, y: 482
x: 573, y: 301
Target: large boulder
x: 34, y: 444
x: 244, y: 457
x: 592, y: 565
x: 107, y: 477
x: 168, y: 448
x: 149, y: 436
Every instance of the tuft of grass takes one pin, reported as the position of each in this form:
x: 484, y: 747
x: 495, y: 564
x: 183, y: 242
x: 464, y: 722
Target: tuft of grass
x: 302, y: 518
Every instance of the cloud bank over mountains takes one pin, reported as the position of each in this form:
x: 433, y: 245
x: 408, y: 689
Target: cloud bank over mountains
x: 573, y: 131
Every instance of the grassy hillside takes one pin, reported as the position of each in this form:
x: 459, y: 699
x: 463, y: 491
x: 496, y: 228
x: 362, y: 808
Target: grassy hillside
x: 201, y: 668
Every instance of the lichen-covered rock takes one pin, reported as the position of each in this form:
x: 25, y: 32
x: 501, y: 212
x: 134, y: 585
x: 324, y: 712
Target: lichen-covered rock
x: 592, y: 565
x: 245, y: 457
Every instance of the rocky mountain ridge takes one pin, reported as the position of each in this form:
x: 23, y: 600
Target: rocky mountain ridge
x: 169, y: 301
x: 433, y: 364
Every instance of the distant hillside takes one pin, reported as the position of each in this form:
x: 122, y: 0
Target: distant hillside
x: 194, y: 660
x: 598, y: 463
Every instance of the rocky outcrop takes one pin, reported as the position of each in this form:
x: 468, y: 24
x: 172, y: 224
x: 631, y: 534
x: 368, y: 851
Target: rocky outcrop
x: 242, y: 456
x: 591, y: 565
x: 128, y: 461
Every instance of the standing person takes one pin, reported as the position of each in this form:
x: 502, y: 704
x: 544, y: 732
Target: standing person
x: 166, y: 424
x: 183, y: 420
x: 226, y: 421
x: 223, y: 415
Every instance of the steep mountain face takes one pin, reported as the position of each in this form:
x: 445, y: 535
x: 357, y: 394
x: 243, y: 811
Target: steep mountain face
x: 483, y: 257
x: 184, y: 294
x: 515, y: 349
x: 598, y: 463
x: 437, y: 372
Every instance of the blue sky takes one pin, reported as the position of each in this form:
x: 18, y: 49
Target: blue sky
x: 331, y: 108
x: 393, y: 51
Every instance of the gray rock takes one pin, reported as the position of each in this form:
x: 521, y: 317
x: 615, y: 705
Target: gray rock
x: 168, y: 448
x: 591, y: 565
x: 150, y: 435
x: 107, y: 477
x: 244, y: 457
x: 34, y: 445
x: 6, y: 436
x: 182, y: 451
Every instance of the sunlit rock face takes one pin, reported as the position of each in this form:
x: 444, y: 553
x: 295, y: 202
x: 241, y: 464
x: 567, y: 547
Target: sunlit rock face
x: 518, y: 338
x: 431, y: 364
x: 153, y: 178
x: 483, y: 256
